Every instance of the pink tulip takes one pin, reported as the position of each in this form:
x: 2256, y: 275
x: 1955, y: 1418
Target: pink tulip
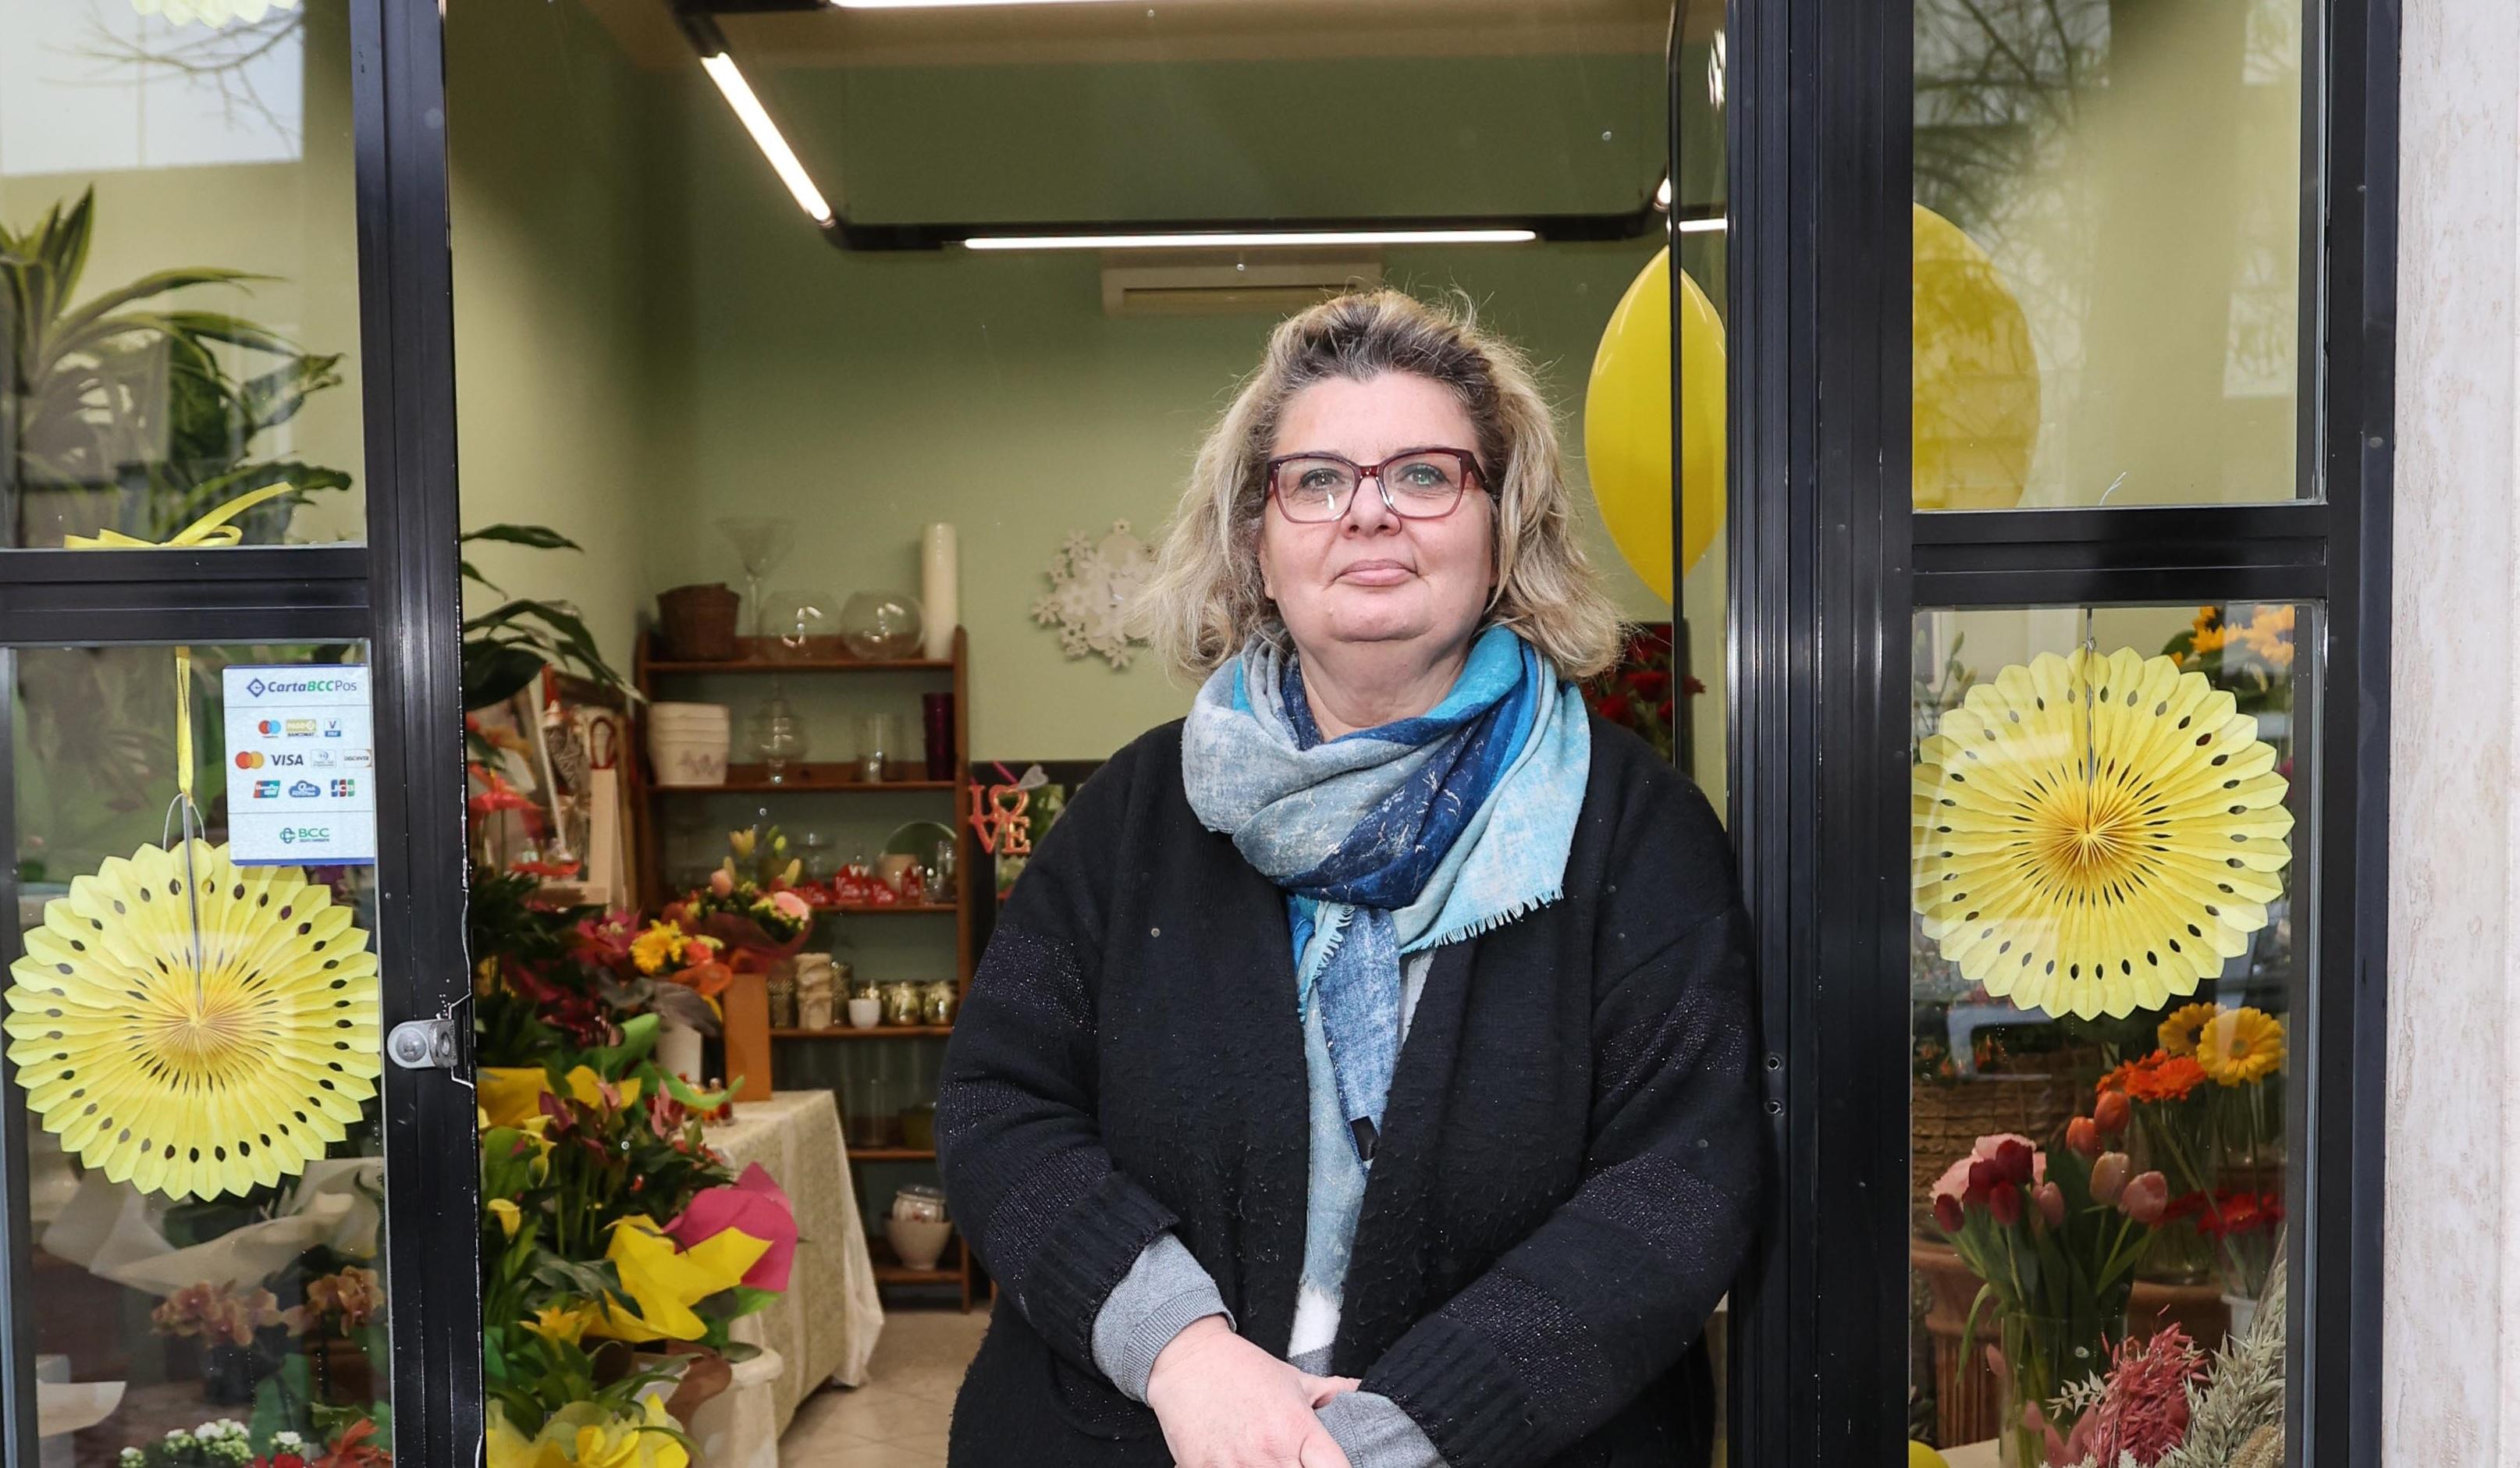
x: 790, y: 903
x: 2051, y: 1204
x: 722, y: 882
x: 2109, y: 1177
x: 755, y: 1206
x: 2147, y: 1196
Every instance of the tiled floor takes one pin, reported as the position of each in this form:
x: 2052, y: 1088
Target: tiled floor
x: 898, y: 1418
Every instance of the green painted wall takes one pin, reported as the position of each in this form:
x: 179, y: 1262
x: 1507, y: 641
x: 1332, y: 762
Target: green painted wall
x: 566, y: 244
x: 651, y: 338
x: 865, y: 395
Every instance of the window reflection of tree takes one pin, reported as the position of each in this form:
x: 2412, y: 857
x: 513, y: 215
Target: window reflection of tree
x: 2132, y: 168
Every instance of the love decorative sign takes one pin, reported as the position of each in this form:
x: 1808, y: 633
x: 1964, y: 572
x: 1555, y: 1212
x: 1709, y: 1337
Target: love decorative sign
x: 999, y: 821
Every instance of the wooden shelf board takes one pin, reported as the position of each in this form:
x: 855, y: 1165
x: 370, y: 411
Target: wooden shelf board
x: 817, y: 778
x: 864, y: 911
x: 826, y: 655
x: 893, y: 1154
x: 904, y: 1274
x: 850, y: 1032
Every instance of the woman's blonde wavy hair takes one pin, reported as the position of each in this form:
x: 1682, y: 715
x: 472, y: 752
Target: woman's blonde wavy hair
x: 1206, y: 600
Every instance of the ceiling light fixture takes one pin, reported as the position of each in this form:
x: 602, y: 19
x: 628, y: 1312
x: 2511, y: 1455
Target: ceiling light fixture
x: 1253, y: 239
x: 1714, y: 226
x: 765, y: 133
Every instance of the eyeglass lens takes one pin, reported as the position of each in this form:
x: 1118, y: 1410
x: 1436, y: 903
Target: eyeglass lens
x: 1420, y: 486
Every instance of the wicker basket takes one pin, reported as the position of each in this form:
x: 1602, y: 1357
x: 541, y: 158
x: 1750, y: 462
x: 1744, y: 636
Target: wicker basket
x: 697, y: 622
x: 1946, y: 1120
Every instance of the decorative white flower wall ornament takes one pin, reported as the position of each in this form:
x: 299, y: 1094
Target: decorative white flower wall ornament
x: 2096, y: 834
x: 210, y: 13
x: 1094, y: 584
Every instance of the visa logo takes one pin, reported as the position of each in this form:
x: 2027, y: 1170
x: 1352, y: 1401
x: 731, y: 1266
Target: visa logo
x: 305, y: 789
x: 266, y: 789
x: 277, y: 758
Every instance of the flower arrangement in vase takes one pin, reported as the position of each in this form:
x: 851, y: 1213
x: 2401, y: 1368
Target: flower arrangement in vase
x: 2053, y: 1239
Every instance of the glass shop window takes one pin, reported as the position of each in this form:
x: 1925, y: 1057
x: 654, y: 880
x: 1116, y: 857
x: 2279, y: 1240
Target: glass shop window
x: 2104, y: 960
x: 2108, y: 238
x: 193, y: 1056
x: 181, y: 365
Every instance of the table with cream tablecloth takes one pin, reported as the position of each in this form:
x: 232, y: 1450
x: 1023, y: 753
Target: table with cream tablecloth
x: 827, y: 1323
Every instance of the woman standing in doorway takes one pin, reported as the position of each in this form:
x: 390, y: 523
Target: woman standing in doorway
x: 1362, y: 1072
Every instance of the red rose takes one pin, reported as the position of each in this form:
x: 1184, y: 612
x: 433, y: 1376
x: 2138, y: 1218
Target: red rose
x: 1613, y: 707
x: 1664, y: 713
x: 1649, y: 683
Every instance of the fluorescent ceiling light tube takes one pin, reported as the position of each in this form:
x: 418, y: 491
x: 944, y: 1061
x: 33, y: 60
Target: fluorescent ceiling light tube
x: 1715, y: 226
x: 1253, y: 239
x: 765, y: 133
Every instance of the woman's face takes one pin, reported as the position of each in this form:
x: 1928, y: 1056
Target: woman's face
x: 1370, y: 576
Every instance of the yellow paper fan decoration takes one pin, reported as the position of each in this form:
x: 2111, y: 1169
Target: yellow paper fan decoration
x: 2095, y: 835
x: 194, y: 1086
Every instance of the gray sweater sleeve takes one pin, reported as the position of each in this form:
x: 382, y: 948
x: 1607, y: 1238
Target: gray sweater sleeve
x: 1374, y: 1433
x: 1165, y: 1290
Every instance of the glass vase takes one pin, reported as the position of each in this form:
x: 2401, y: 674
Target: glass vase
x: 2040, y: 1357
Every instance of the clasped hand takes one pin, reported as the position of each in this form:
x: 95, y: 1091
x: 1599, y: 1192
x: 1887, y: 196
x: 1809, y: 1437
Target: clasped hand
x: 1225, y: 1403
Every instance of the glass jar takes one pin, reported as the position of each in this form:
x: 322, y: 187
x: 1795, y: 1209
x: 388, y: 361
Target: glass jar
x: 902, y: 1002
x: 879, y: 626
x: 938, y: 1002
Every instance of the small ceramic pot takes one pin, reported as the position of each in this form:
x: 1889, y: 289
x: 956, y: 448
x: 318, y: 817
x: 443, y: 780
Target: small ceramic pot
x: 866, y: 1011
x: 916, y: 1241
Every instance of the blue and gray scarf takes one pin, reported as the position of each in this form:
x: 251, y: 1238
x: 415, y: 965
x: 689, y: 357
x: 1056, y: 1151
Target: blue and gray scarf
x: 1390, y: 840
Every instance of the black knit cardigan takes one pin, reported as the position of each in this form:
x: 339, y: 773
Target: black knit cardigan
x: 1566, y: 1180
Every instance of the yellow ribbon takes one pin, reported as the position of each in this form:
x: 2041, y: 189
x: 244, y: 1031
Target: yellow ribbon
x: 211, y: 529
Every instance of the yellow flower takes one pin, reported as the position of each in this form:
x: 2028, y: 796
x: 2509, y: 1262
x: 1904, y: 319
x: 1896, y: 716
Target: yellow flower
x: 507, y: 1448
x: 2269, y: 634
x: 741, y: 844
x: 587, y: 1088
x: 561, y: 1324
x: 2177, y: 1033
x: 658, y: 948
x: 665, y: 1281
x: 510, y: 1096
x: 510, y: 1217
x: 583, y: 1435
x: 2241, y: 1047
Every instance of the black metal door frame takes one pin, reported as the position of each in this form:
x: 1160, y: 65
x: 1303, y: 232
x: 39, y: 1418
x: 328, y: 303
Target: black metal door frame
x: 1829, y: 560
x: 400, y: 593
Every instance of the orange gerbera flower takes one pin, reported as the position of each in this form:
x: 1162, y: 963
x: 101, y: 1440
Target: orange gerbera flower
x: 2157, y: 1077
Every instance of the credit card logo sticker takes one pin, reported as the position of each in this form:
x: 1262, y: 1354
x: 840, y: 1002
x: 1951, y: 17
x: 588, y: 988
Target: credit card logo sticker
x: 305, y: 789
x: 266, y: 789
x: 250, y: 759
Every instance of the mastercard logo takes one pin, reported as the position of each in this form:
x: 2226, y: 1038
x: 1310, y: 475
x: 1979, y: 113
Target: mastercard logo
x: 250, y: 758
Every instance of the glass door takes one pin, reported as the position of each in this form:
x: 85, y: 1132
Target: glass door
x: 235, y: 1105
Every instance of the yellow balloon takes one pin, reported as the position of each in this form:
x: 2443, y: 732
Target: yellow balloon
x: 1976, y: 376
x: 1921, y: 1456
x: 1626, y: 424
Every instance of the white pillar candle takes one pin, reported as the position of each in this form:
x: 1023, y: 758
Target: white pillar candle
x: 941, y: 606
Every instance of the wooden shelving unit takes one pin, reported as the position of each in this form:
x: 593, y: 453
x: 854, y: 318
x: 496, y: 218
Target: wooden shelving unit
x: 973, y: 892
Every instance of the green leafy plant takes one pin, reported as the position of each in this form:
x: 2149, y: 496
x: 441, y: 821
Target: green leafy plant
x: 508, y: 647
x: 121, y: 412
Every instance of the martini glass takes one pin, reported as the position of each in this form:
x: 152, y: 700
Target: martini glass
x: 761, y: 543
